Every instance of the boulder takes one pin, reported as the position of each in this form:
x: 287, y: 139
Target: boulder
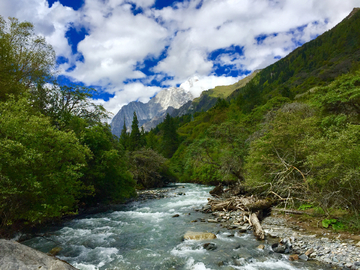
x: 209, y: 246
x: 14, y: 255
x: 199, y: 236
x: 218, y: 190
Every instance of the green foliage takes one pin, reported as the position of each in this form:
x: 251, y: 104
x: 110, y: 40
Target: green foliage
x: 305, y: 206
x: 25, y: 58
x: 107, y: 171
x: 327, y: 222
x: 334, y: 223
x: 170, y: 140
x: 149, y: 168
x: 40, y: 166
x: 64, y: 103
x: 135, y: 141
x: 277, y: 158
x: 124, y: 137
x: 316, y: 63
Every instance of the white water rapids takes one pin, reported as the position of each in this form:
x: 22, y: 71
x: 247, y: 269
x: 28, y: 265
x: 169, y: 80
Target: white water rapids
x: 145, y: 235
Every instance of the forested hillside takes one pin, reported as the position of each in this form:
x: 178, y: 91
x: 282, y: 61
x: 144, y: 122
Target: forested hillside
x: 292, y: 132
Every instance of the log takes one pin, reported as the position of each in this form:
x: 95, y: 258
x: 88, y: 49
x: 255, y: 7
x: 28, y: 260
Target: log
x: 296, y: 212
x: 220, y: 206
x: 258, y: 231
x: 259, y: 205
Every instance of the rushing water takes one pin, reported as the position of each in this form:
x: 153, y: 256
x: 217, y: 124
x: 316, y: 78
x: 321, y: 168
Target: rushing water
x: 145, y: 235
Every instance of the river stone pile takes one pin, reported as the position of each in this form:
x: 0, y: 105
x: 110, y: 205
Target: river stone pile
x: 295, y: 243
x: 342, y: 253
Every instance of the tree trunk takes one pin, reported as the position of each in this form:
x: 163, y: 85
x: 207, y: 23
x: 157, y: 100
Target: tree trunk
x: 258, y: 231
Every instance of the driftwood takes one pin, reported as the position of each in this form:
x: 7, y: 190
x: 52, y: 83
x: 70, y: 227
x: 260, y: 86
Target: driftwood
x: 250, y: 206
x: 258, y: 231
x: 242, y: 203
x: 288, y: 211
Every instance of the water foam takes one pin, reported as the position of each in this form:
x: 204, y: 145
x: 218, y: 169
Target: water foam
x: 186, y: 248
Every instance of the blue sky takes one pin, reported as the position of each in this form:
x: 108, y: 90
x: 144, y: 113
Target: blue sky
x: 131, y: 49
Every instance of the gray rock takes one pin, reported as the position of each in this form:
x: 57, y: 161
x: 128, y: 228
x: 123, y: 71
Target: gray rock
x: 152, y: 113
x: 209, y: 246
x: 278, y: 248
x: 303, y: 257
x: 14, y: 255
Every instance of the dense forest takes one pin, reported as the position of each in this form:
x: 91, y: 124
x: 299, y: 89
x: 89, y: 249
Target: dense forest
x: 57, y: 154
x: 291, y: 132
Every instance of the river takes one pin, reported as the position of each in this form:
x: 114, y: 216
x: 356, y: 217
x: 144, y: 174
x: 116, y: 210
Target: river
x: 145, y: 235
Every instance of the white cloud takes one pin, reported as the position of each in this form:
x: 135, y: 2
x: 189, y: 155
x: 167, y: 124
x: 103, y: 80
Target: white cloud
x: 119, y: 41
x: 129, y: 92
x: 196, y: 85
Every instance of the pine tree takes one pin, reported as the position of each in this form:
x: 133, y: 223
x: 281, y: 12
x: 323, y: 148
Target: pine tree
x: 124, y: 137
x: 135, y: 136
x: 170, y: 140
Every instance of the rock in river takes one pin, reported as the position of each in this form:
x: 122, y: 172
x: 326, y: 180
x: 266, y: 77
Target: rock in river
x: 199, y: 236
x: 14, y: 255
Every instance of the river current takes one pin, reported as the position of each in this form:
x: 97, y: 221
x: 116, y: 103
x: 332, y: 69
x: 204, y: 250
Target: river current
x: 145, y: 235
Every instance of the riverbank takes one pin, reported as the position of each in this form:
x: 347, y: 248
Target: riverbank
x: 287, y: 235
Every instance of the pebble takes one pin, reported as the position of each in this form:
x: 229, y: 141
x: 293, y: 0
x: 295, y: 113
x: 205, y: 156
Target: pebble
x: 336, y: 252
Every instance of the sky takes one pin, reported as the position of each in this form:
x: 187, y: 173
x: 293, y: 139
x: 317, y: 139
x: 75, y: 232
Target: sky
x: 131, y: 49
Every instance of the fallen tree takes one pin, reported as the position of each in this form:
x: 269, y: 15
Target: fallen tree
x: 250, y: 206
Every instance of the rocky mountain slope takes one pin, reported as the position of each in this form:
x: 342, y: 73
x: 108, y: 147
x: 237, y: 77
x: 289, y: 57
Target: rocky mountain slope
x: 151, y: 113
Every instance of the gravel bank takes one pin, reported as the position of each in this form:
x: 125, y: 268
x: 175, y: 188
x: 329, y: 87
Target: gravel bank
x: 295, y: 242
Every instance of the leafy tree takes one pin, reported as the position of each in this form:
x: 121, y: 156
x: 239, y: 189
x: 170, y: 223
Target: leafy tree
x: 149, y: 169
x: 107, y: 171
x: 152, y: 141
x: 277, y: 159
x: 40, y: 166
x: 25, y: 58
x: 66, y: 102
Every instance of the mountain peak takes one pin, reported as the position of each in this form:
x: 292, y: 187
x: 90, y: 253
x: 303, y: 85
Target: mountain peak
x: 173, y: 97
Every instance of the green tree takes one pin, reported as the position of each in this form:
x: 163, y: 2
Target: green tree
x: 40, y: 166
x: 149, y: 169
x: 170, y: 140
x: 124, y: 136
x: 135, y: 135
x: 25, y: 58
x: 65, y: 104
x: 107, y: 170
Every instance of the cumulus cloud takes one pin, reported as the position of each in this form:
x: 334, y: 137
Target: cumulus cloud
x: 182, y: 38
x: 128, y: 93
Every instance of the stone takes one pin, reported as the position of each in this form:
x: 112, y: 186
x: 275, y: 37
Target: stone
x: 294, y: 257
x: 243, y: 229
x: 14, y: 255
x: 177, y: 215
x: 218, y: 190
x: 358, y: 244
x: 212, y: 220
x: 278, y: 248
x: 303, y: 257
x: 261, y: 247
x: 199, y: 236
x: 54, y: 251
x: 209, y: 246
x: 309, y: 251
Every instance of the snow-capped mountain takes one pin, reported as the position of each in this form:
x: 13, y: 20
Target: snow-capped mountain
x: 155, y: 109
